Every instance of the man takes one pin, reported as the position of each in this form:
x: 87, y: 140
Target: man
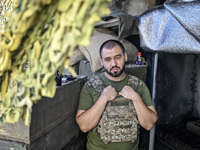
x: 95, y: 106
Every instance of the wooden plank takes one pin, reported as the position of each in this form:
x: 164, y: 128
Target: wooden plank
x: 16, y: 132
x: 10, y: 145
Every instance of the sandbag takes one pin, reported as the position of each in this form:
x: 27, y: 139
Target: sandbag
x: 76, y: 56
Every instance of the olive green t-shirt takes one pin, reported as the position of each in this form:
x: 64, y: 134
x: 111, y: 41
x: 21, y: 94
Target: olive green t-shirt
x: 89, y: 96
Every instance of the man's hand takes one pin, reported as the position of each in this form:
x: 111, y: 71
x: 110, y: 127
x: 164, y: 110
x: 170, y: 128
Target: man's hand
x: 109, y: 93
x: 147, y: 115
x: 88, y: 119
x: 129, y: 93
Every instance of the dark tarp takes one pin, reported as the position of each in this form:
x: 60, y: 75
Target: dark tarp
x: 128, y: 24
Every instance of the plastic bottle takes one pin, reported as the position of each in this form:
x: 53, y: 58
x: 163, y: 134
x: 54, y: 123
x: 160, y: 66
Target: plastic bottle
x: 139, y: 59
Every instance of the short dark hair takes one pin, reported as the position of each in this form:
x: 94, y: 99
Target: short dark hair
x: 109, y: 44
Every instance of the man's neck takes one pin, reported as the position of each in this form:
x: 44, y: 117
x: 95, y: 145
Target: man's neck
x: 121, y: 77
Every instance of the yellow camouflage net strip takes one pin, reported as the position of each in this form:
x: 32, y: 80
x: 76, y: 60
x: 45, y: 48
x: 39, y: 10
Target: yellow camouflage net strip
x: 43, y: 33
x: 5, y: 8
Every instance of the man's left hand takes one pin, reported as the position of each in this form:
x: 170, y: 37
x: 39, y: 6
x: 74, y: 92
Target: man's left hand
x: 129, y: 93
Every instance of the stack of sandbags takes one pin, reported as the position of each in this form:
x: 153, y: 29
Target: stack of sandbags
x: 104, y: 31
x: 91, y: 52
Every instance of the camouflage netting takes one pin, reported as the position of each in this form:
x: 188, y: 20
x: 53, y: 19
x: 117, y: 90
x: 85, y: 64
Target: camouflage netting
x: 5, y: 6
x: 42, y: 35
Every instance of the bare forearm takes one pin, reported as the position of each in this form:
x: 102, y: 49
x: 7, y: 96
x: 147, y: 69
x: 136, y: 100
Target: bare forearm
x: 147, y: 116
x: 88, y: 119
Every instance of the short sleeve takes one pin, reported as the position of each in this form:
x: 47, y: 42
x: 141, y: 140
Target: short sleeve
x: 145, y: 94
x: 86, y: 97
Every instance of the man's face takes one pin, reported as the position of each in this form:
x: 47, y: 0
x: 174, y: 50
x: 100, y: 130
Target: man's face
x: 113, y: 61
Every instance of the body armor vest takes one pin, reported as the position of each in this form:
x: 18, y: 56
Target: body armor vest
x: 119, y: 121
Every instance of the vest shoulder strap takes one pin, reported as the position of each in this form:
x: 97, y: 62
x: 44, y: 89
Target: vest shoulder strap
x: 134, y: 82
x: 97, y: 83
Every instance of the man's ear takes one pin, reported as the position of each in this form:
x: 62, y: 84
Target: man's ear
x: 101, y: 61
x: 125, y: 56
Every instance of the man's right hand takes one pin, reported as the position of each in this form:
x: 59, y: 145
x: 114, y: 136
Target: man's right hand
x: 88, y: 119
x: 109, y: 93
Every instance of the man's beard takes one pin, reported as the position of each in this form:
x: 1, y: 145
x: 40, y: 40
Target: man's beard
x: 115, y: 74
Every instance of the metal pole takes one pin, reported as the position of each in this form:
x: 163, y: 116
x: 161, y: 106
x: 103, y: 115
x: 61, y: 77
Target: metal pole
x: 152, y: 131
